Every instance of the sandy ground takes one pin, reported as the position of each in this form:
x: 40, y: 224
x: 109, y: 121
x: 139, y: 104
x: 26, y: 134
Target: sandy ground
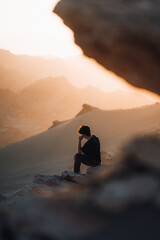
x: 52, y: 151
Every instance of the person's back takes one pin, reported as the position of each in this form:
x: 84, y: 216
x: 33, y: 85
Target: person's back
x: 89, y: 154
x: 92, y: 148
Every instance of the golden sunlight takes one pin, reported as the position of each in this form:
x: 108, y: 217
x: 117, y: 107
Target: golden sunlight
x: 30, y: 27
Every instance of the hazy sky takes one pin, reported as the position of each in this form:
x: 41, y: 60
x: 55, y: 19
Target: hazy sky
x: 29, y: 26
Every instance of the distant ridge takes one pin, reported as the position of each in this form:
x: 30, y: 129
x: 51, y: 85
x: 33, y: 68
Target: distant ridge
x: 85, y: 108
x: 37, y: 67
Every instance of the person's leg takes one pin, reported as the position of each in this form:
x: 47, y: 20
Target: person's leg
x: 77, y: 162
x: 82, y: 158
x: 89, y: 161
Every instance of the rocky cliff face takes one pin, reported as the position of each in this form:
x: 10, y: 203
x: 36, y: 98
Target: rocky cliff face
x: 123, y: 36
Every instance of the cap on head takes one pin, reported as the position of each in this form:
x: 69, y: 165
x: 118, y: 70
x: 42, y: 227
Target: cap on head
x: 84, y: 129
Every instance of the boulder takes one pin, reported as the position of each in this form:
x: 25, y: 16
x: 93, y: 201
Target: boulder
x: 48, y: 180
x: 123, y: 36
x: 73, y: 177
x: 45, y: 184
x: 98, y: 169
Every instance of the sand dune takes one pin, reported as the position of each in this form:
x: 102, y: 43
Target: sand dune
x: 53, y: 150
x: 86, y: 108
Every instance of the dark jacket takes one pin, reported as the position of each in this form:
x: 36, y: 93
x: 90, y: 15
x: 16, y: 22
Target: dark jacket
x: 92, y: 148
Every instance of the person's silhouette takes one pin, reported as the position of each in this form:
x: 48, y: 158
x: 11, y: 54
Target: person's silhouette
x: 89, y: 154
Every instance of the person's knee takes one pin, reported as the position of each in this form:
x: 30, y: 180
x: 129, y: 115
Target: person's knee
x: 77, y: 156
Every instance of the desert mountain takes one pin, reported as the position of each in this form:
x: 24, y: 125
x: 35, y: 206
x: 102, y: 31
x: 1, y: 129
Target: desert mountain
x: 78, y: 70
x: 37, y: 67
x: 7, y: 100
x: 61, y: 100
x: 47, y: 100
x: 53, y: 150
x: 14, y: 80
x: 55, y: 97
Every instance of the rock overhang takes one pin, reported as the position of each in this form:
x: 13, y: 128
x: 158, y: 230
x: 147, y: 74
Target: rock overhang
x: 123, y: 36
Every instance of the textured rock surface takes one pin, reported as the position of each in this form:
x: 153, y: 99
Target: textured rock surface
x: 122, y: 203
x: 44, y: 184
x: 97, y: 169
x: 71, y: 176
x: 54, y: 180
x: 123, y: 36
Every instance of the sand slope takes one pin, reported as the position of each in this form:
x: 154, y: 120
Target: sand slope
x: 52, y: 151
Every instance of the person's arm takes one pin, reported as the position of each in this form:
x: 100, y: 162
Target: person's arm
x: 79, y: 145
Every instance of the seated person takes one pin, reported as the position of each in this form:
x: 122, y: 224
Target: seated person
x: 89, y: 154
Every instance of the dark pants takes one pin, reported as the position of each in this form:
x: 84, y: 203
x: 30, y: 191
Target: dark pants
x: 82, y: 158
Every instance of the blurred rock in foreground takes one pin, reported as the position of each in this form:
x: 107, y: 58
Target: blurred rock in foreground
x: 120, y: 203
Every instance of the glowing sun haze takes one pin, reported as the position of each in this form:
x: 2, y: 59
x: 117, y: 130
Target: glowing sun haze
x: 30, y: 27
